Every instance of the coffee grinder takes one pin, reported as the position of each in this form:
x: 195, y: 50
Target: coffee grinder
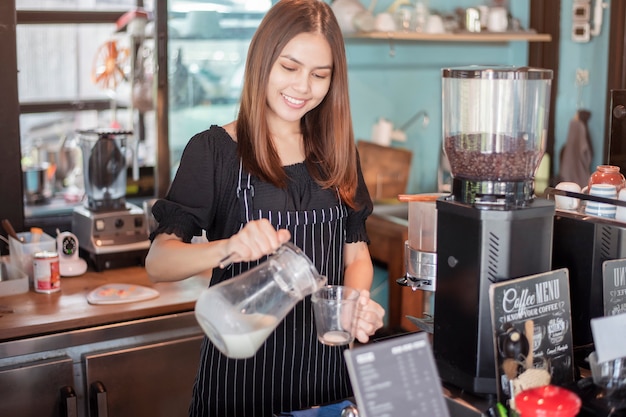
x: 491, y: 227
x: 112, y: 232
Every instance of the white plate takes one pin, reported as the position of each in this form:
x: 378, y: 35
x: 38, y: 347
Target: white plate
x: 121, y: 293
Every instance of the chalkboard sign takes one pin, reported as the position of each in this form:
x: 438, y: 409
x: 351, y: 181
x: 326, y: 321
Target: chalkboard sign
x: 614, y: 288
x: 537, y: 308
x: 396, y: 377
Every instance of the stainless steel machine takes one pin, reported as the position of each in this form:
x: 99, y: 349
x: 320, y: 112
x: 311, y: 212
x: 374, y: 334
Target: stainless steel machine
x: 491, y: 227
x: 112, y: 232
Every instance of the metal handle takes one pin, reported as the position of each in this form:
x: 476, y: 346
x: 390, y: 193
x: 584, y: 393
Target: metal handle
x: 619, y: 112
x: 69, y: 406
x: 588, y: 197
x: 98, y: 400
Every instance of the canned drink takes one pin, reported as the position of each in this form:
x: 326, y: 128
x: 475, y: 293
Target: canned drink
x: 46, y: 272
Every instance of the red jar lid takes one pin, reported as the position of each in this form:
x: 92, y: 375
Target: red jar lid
x: 547, y: 401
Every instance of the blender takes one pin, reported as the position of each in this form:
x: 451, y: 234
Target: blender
x: 491, y: 227
x: 112, y: 231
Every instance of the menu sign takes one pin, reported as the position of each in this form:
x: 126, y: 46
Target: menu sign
x: 614, y: 288
x: 396, y: 377
x: 531, y: 319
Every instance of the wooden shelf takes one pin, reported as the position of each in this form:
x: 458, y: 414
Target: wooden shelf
x: 529, y: 36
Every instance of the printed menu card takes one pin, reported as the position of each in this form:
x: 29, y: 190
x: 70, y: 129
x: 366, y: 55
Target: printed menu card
x: 531, y: 319
x: 614, y: 288
x: 396, y: 377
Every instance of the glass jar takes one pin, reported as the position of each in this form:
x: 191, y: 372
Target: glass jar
x: 608, y: 174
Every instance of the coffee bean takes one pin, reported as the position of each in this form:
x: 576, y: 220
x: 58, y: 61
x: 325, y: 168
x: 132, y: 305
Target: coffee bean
x: 488, y: 157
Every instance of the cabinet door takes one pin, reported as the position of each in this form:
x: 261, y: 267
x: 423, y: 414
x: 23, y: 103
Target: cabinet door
x: 34, y: 389
x: 151, y: 380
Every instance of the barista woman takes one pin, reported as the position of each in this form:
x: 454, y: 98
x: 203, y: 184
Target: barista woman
x: 285, y: 169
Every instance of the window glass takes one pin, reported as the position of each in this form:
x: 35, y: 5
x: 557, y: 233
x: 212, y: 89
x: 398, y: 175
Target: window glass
x: 207, y: 48
x: 56, y: 62
x: 88, y: 5
x: 59, y: 64
x: 75, y: 77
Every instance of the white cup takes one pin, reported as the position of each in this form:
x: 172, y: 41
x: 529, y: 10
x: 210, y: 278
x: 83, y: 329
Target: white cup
x: 385, y: 23
x: 567, y: 203
x: 364, y: 21
x: 434, y: 24
x: 381, y: 132
x: 602, y: 209
x: 498, y: 19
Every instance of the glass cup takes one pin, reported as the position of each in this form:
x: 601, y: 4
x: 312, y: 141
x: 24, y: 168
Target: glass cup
x: 609, y: 375
x: 335, y: 307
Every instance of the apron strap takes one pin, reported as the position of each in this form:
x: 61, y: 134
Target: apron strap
x: 245, y: 193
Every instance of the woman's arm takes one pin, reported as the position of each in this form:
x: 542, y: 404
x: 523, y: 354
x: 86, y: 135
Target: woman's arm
x: 359, y: 271
x: 171, y: 259
x: 359, y: 274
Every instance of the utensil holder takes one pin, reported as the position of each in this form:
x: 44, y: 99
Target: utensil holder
x: 21, y: 252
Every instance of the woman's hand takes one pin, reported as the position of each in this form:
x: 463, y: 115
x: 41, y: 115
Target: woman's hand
x: 369, y: 317
x: 257, y: 239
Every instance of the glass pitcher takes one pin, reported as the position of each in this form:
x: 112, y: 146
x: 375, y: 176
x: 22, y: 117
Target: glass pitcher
x: 240, y: 313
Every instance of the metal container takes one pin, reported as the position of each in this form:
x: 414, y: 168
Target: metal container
x: 38, y: 181
x: 46, y: 272
x: 104, y: 168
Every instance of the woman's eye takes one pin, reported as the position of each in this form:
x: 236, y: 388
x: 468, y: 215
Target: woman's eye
x: 320, y: 75
x: 286, y: 68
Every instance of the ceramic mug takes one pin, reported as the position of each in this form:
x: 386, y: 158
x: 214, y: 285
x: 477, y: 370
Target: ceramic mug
x: 381, y: 132
x: 602, y: 209
x: 567, y: 203
x: 498, y: 19
x: 384, y: 23
x: 434, y: 24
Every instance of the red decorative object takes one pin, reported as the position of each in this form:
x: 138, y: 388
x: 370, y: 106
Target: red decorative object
x: 608, y: 174
x: 547, y: 401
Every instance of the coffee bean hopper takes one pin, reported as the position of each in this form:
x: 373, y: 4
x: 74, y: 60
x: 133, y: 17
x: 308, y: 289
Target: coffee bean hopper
x: 112, y: 231
x: 491, y: 227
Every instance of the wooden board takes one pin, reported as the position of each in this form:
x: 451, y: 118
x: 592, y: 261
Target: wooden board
x: 385, y: 169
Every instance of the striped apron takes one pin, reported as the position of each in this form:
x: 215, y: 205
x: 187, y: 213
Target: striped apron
x: 292, y: 370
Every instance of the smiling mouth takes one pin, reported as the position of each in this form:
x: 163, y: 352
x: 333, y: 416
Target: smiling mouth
x: 292, y: 100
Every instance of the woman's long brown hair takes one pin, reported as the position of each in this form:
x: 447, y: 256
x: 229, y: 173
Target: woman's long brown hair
x: 327, y: 129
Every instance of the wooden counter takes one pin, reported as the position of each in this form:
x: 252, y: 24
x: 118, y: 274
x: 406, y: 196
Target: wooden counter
x: 31, y: 313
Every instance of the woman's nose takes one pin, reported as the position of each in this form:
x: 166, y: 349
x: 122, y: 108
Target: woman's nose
x: 301, y: 83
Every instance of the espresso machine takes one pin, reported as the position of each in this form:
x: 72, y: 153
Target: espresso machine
x: 491, y: 227
x: 112, y: 232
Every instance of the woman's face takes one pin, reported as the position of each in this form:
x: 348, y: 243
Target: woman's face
x: 300, y: 77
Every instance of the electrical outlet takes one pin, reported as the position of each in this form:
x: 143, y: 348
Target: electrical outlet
x: 581, y: 11
x: 581, y: 17
x: 581, y: 32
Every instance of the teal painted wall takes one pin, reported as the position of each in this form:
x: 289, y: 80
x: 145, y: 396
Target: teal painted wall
x: 593, y: 57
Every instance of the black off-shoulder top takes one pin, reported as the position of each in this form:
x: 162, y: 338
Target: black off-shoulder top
x: 203, y: 194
